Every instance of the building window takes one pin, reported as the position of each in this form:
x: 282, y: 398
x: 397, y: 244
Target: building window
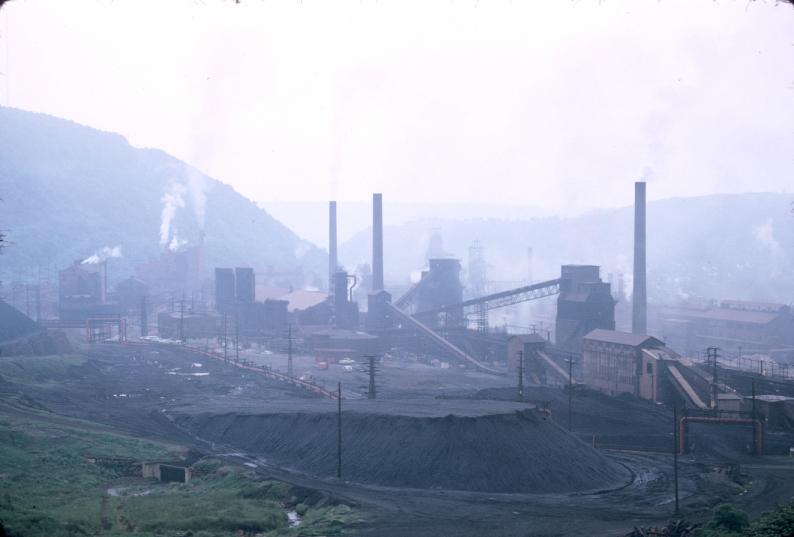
x: 649, y: 368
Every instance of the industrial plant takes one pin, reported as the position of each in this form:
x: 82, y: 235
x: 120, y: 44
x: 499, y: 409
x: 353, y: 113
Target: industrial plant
x: 500, y: 269
x: 709, y: 384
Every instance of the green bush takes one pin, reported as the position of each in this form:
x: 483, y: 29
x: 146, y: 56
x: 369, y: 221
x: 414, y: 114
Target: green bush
x: 727, y: 521
x: 268, y: 490
x: 778, y: 523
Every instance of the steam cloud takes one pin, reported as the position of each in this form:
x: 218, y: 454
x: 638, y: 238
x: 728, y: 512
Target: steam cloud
x: 193, y: 185
x: 103, y: 254
x: 176, y: 243
x: 765, y: 234
x: 172, y: 200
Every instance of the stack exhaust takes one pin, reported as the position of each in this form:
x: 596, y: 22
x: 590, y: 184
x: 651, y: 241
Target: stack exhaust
x: 639, y: 299
x: 377, y: 242
x: 333, y: 263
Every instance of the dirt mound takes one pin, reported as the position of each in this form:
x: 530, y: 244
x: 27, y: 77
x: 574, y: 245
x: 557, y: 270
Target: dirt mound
x: 519, y: 452
x: 14, y: 323
x: 37, y: 344
x: 594, y: 413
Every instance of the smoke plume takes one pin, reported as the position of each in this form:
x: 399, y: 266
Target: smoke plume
x: 176, y: 243
x: 172, y: 200
x: 765, y: 235
x: 103, y: 254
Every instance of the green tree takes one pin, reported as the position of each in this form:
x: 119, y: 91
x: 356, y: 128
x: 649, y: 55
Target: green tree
x: 778, y: 523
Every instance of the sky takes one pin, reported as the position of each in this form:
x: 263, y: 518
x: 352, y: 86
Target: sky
x: 559, y: 105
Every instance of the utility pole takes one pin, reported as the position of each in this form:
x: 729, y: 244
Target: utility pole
x: 290, y: 370
x: 236, y: 336
x: 225, y: 337
x: 712, y: 353
x: 570, y: 392
x: 675, y: 454
x: 144, y: 318
x: 339, y: 430
x: 38, y: 300
x: 521, y: 375
x: 755, y: 440
x: 371, y: 394
x: 182, y: 320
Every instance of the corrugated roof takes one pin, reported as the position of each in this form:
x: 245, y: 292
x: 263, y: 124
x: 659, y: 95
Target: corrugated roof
x: 724, y: 314
x: 621, y: 338
x: 746, y: 305
x: 663, y: 354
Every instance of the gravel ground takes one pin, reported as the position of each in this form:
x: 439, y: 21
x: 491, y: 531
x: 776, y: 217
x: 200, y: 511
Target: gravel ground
x: 144, y: 390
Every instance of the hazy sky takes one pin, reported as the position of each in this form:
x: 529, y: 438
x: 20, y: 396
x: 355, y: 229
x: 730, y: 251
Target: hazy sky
x: 560, y: 104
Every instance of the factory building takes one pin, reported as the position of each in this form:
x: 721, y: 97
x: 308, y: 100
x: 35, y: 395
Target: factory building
x: 585, y: 304
x: 441, y: 287
x: 620, y: 362
x: 173, y: 270
x: 527, y: 348
x: 225, y: 290
x: 245, y: 285
x: 332, y: 345
x: 256, y: 318
x: 129, y: 293
x: 344, y: 307
x: 236, y: 298
x: 82, y: 292
x: 175, y: 325
x: 736, y: 327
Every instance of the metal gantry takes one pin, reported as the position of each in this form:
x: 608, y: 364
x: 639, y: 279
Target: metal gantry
x: 501, y: 299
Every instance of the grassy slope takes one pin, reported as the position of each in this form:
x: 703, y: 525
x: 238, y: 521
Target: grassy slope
x: 49, y: 485
x: 68, y: 190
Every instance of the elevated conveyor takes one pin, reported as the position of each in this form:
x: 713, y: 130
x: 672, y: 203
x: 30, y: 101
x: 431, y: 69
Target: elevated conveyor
x: 685, y: 388
x: 439, y: 340
x: 502, y: 299
x: 552, y: 365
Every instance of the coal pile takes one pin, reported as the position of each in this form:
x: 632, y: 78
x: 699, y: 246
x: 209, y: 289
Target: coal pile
x: 517, y: 452
x: 14, y: 323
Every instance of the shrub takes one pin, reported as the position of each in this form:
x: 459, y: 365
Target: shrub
x: 778, y: 523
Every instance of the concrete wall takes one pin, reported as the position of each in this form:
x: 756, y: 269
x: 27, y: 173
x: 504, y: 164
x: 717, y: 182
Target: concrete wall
x: 165, y: 472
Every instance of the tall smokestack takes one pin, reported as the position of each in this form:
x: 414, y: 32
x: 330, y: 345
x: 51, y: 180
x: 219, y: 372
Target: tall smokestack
x: 639, y: 297
x: 333, y: 262
x: 377, y: 242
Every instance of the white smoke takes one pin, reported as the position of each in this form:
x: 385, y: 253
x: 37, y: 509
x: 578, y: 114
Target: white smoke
x: 185, y: 182
x: 172, y: 200
x: 176, y: 243
x: 765, y: 235
x: 103, y: 254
